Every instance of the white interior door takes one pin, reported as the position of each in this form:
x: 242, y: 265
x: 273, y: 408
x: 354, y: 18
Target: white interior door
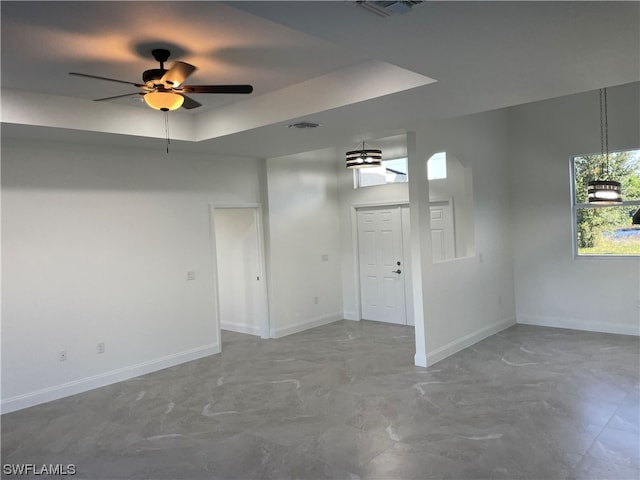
x: 382, y: 292
x: 241, y: 292
x: 442, y: 234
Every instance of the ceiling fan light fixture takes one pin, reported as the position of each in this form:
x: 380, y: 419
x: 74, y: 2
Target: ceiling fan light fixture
x: 364, y: 158
x: 164, y: 90
x: 165, y: 101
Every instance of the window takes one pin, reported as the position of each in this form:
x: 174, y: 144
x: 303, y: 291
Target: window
x: 395, y: 171
x: 607, y: 230
x: 391, y: 171
x: 437, y: 166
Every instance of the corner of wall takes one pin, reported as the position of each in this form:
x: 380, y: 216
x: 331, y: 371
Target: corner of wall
x: 467, y: 340
x: 306, y: 325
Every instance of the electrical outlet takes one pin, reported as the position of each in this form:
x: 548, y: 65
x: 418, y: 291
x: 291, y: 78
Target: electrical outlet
x: 62, y: 355
x: 191, y: 275
x: 324, y: 257
x: 316, y: 300
x: 100, y: 348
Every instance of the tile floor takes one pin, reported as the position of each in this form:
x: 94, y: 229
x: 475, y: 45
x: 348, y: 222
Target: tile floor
x: 345, y: 401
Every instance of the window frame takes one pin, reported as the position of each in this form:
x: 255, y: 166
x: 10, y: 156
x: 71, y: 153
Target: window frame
x: 575, y: 206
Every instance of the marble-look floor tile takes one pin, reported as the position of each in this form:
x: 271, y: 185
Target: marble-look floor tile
x: 456, y: 457
x: 345, y: 447
x: 617, y: 446
x: 591, y: 468
x: 627, y: 417
x: 345, y: 401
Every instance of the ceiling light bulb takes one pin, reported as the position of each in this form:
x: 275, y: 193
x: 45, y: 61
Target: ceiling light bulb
x: 165, y: 101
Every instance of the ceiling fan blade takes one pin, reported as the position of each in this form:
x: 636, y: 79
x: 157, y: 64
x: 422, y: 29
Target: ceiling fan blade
x: 190, y: 103
x: 216, y: 89
x: 105, y: 78
x: 118, y: 96
x: 177, y: 74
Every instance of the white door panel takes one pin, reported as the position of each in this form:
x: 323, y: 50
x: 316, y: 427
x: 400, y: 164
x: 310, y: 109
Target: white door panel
x: 437, y: 242
x: 380, y: 249
x: 442, y: 234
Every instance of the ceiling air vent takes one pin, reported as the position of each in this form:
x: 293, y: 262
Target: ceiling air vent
x: 303, y: 125
x: 389, y: 8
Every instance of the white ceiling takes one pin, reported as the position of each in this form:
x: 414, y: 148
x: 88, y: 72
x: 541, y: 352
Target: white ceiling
x: 359, y: 75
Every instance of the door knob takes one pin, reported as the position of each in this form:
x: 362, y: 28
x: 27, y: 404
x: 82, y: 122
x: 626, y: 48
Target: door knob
x: 397, y: 271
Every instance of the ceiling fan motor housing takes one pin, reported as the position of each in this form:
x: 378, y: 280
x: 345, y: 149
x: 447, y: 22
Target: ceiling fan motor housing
x: 154, y: 75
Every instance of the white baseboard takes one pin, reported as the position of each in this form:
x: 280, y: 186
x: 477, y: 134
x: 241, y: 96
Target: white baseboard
x: 306, y: 325
x: 466, y: 341
x: 587, y: 325
x: 55, y: 392
x: 240, y: 328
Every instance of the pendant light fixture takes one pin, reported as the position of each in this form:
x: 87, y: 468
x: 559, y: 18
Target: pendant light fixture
x: 601, y: 191
x: 364, y: 157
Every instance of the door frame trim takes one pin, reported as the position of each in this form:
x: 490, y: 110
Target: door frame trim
x: 257, y: 211
x: 356, y: 251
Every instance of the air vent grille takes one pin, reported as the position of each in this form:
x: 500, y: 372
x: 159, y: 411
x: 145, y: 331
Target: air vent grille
x: 388, y: 8
x: 303, y: 125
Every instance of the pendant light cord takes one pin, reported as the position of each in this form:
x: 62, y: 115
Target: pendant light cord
x: 604, y: 129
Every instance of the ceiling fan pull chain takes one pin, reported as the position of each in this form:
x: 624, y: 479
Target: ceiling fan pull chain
x: 166, y: 129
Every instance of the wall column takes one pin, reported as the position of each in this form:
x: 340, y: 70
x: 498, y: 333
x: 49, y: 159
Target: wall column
x: 420, y: 240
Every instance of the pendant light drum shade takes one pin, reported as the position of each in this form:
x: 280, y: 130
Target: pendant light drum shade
x: 604, y: 192
x: 363, y: 158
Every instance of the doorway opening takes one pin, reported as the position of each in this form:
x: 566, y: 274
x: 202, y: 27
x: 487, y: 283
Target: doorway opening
x: 238, y: 250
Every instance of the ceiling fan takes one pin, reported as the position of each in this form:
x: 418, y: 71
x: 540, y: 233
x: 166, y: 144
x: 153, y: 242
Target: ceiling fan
x: 164, y: 90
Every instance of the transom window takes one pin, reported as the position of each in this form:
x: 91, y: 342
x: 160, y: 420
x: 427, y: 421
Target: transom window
x: 396, y: 171
x: 604, y: 229
x: 391, y: 171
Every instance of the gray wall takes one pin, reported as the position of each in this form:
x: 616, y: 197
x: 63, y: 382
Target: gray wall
x: 96, y: 246
x: 552, y: 287
x: 305, y: 289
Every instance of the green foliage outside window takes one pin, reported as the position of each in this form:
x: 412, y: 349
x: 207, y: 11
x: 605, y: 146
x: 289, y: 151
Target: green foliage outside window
x: 608, y: 230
